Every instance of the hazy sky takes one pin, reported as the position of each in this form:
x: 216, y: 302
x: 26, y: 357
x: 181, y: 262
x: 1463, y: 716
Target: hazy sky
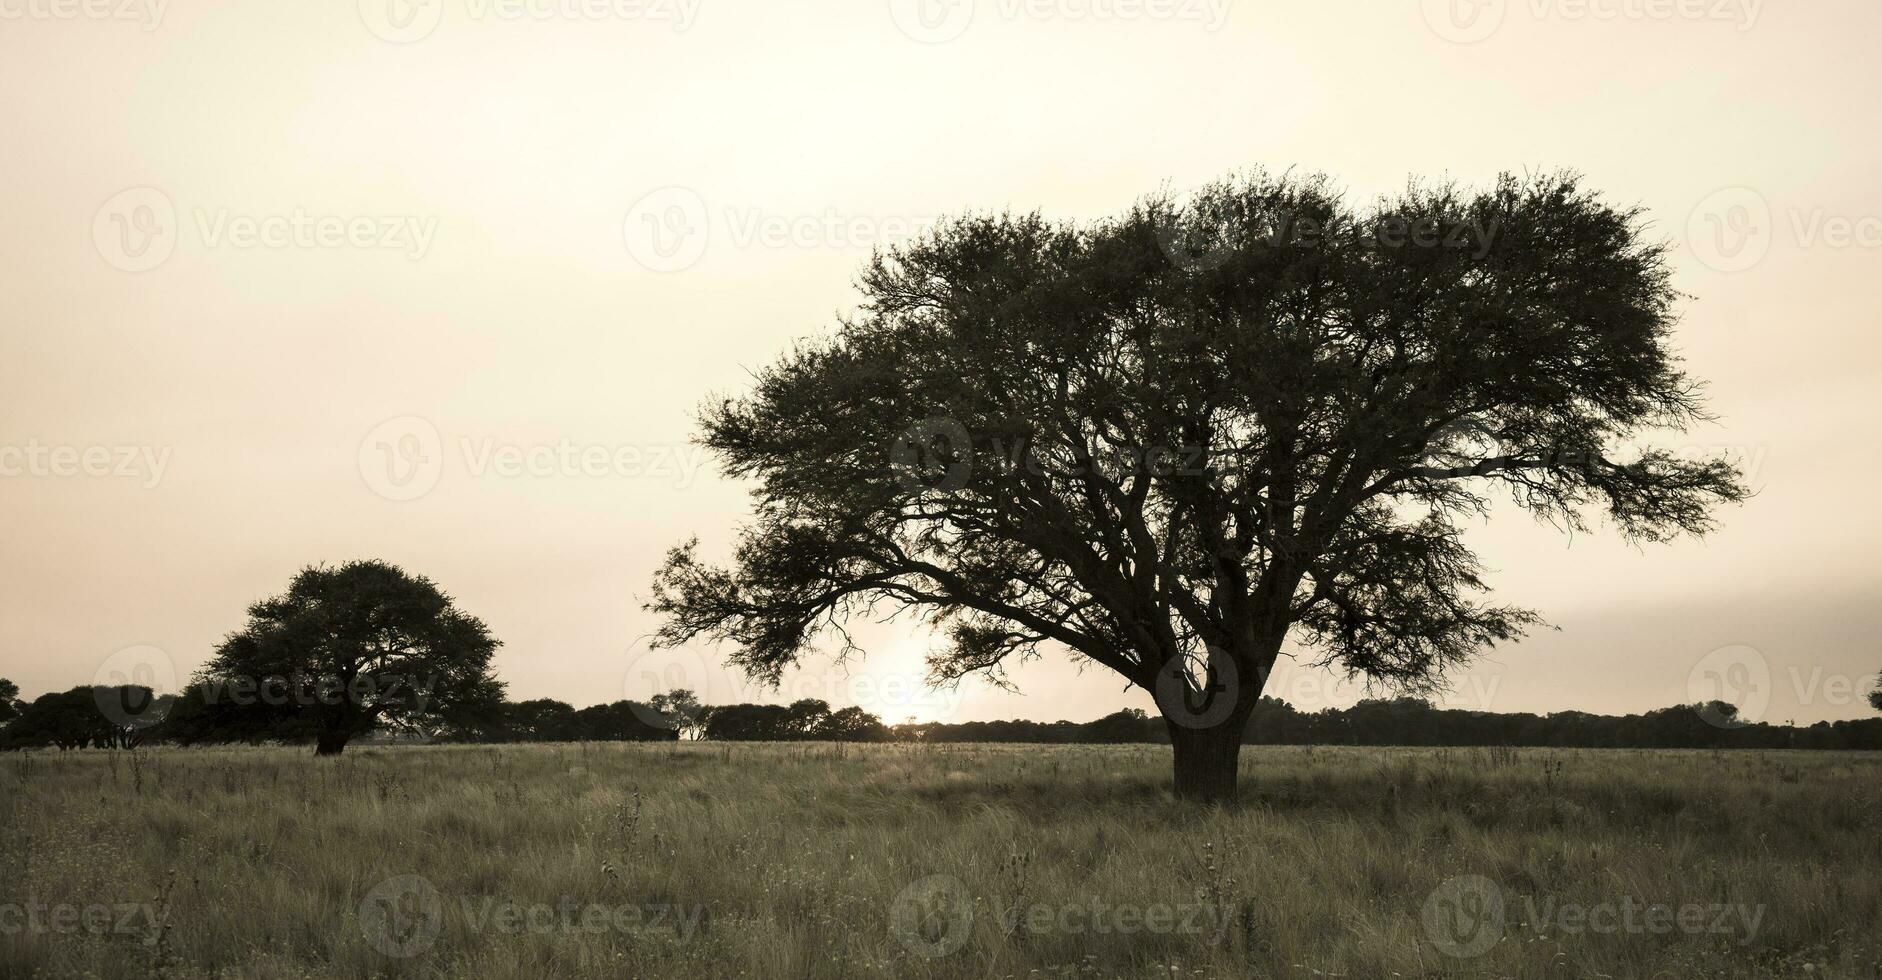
x: 270, y: 268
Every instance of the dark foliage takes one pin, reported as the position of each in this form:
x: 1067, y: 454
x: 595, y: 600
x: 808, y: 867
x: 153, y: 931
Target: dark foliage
x: 1413, y: 721
x: 9, y: 700
x: 1172, y: 442
x: 103, y: 717
x: 345, y: 652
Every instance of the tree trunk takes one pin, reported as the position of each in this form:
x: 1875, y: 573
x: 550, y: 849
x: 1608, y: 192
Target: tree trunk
x: 1207, y: 761
x: 329, y: 743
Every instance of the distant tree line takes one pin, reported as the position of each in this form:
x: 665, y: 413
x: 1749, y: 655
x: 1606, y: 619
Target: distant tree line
x: 1413, y: 721
x: 127, y: 716
x: 98, y: 717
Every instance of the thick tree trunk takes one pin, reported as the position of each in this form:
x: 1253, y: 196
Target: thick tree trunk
x: 1207, y: 761
x: 329, y: 743
x: 1208, y: 718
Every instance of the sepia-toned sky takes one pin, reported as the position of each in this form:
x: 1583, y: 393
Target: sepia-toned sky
x: 442, y: 282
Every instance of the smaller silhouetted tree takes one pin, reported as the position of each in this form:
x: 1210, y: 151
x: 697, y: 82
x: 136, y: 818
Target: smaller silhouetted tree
x: 681, y: 709
x: 853, y: 724
x: 9, y: 700
x: 539, y: 720
x: 1875, y: 696
x: 351, y: 649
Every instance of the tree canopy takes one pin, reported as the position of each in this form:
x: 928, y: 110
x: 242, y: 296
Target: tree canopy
x: 1173, y: 441
x: 348, y: 650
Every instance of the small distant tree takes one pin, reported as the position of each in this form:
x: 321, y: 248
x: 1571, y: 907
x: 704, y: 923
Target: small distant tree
x: 9, y: 700
x: 1875, y: 696
x: 681, y: 709
x: 805, y: 717
x: 853, y: 724
x: 1173, y: 442
x: 351, y: 649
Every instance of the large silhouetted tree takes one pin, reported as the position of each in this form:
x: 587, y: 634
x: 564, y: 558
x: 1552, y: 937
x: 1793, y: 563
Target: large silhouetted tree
x: 346, y: 650
x: 1174, y: 441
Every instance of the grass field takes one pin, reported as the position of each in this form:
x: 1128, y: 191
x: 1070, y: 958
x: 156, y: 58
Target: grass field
x: 701, y: 860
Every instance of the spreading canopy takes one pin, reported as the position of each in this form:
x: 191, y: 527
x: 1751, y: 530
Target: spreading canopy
x: 344, y: 651
x: 1170, y: 441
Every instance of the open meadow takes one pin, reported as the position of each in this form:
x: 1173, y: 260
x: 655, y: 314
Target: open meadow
x: 822, y: 860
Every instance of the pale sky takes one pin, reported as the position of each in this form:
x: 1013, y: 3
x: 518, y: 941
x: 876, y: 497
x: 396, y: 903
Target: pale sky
x: 260, y: 257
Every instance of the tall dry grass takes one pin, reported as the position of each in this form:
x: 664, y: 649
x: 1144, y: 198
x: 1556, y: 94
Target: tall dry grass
x: 815, y: 860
